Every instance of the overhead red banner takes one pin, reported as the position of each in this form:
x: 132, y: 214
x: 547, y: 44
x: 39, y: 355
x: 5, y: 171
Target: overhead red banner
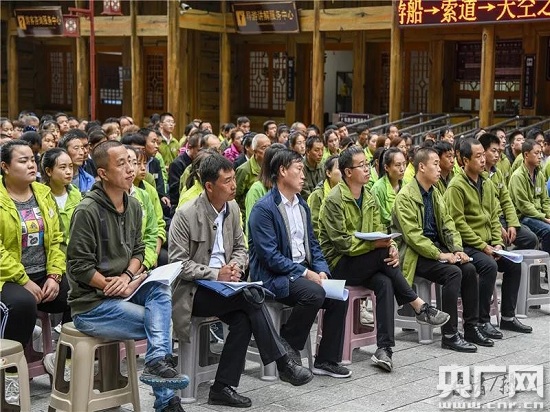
x: 453, y: 12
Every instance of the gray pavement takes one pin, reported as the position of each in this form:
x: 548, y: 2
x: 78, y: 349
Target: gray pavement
x: 411, y: 387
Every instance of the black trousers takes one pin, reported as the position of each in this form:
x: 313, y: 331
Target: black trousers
x: 371, y: 271
x: 22, y: 308
x: 487, y: 268
x: 455, y: 280
x: 244, y: 320
x: 306, y: 298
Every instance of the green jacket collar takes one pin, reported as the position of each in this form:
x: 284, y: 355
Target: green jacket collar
x: 39, y: 190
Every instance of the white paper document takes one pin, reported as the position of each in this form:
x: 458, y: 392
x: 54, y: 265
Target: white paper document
x: 373, y: 236
x: 335, y: 289
x: 514, y: 257
x: 240, y: 285
x: 164, y: 274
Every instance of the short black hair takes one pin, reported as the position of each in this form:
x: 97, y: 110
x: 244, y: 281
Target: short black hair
x: 422, y: 155
x: 6, y: 151
x: 72, y: 134
x: 533, y: 133
x: 487, y: 139
x: 283, y: 158
x: 345, y: 160
x: 242, y: 120
x: 210, y: 168
x: 33, y: 138
x: 133, y: 139
x: 164, y: 115
x: 466, y: 147
x: 100, y: 155
x: 513, y: 135
x: 528, y: 145
x: 442, y: 147
x: 330, y: 162
x: 268, y: 123
x: 311, y: 141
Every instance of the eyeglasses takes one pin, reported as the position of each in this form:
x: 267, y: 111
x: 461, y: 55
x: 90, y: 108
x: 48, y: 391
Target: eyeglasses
x: 361, y: 165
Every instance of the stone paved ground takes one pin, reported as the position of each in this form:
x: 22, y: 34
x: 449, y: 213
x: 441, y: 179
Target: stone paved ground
x: 411, y: 387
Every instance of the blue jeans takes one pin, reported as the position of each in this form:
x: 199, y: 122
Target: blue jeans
x: 147, y: 315
x: 539, y: 228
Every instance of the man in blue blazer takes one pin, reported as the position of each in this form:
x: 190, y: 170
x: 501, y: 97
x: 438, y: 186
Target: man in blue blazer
x: 286, y: 256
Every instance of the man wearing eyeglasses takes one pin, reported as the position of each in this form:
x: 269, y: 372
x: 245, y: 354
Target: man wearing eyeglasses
x: 350, y: 208
x: 207, y: 237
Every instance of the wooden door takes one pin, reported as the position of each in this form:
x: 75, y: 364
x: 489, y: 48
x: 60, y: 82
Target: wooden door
x: 109, y: 85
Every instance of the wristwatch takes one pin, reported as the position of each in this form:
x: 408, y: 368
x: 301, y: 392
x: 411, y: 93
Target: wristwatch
x: 57, y: 278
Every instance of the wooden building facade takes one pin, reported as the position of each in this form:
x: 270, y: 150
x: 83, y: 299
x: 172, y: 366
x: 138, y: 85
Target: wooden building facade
x: 195, y: 64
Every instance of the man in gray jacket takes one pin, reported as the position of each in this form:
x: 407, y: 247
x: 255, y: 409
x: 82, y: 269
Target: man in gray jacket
x: 207, y: 237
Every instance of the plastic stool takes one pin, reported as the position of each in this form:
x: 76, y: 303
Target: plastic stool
x: 530, y: 281
x: 192, y: 362
x: 355, y: 334
x: 405, y: 316
x: 279, y: 314
x: 34, y: 358
x: 11, y: 354
x: 114, y: 388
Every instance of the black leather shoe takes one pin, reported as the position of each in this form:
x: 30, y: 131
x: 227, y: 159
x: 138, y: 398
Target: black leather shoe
x: 473, y: 334
x: 228, y: 397
x: 457, y: 343
x: 490, y: 331
x: 292, y: 353
x: 515, y: 325
x: 295, y: 374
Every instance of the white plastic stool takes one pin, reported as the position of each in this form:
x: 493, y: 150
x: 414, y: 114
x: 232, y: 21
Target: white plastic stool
x: 279, y: 314
x: 11, y: 354
x: 405, y: 316
x: 527, y: 297
x: 189, y: 359
x: 84, y: 391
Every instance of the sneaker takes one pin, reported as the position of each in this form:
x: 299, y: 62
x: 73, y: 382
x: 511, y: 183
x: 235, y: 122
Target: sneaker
x: 216, y: 333
x: 382, y: 358
x: 330, y: 369
x: 49, y: 363
x: 57, y: 328
x: 174, y: 405
x: 163, y: 374
x: 12, y: 390
x: 430, y: 315
x: 365, y: 316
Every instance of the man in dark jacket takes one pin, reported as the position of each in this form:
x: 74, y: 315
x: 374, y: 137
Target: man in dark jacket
x: 104, y: 265
x: 286, y: 256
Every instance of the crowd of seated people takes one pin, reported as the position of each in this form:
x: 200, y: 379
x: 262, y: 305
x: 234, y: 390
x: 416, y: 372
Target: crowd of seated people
x: 87, y: 209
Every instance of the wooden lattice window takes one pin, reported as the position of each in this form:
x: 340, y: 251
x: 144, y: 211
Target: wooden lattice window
x: 419, y: 68
x: 60, y: 78
x: 155, y: 80
x: 265, y: 81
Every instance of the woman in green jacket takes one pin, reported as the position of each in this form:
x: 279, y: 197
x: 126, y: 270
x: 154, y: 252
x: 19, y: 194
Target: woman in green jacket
x: 316, y: 198
x: 57, y: 174
x: 392, y: 170
x: 32, y: 263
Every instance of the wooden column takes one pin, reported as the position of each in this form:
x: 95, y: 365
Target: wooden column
x: 396, y: 69
x: 359, y: 72
x: 436, y: 91
x: 318, y: 71
x: 173, y: 64
x: 136, y: 66
x: 487, y: 82
x: 225, y: 71
x: 82, y: 74
x: 184, y: 116
x: 13, y: 76
x: 290, y: 107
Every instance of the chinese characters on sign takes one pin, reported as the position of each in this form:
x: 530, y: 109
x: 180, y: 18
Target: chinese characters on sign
x: 266, y: 17
x: 39, y: 21
x: 443, y: 12
x: 528, y: 90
